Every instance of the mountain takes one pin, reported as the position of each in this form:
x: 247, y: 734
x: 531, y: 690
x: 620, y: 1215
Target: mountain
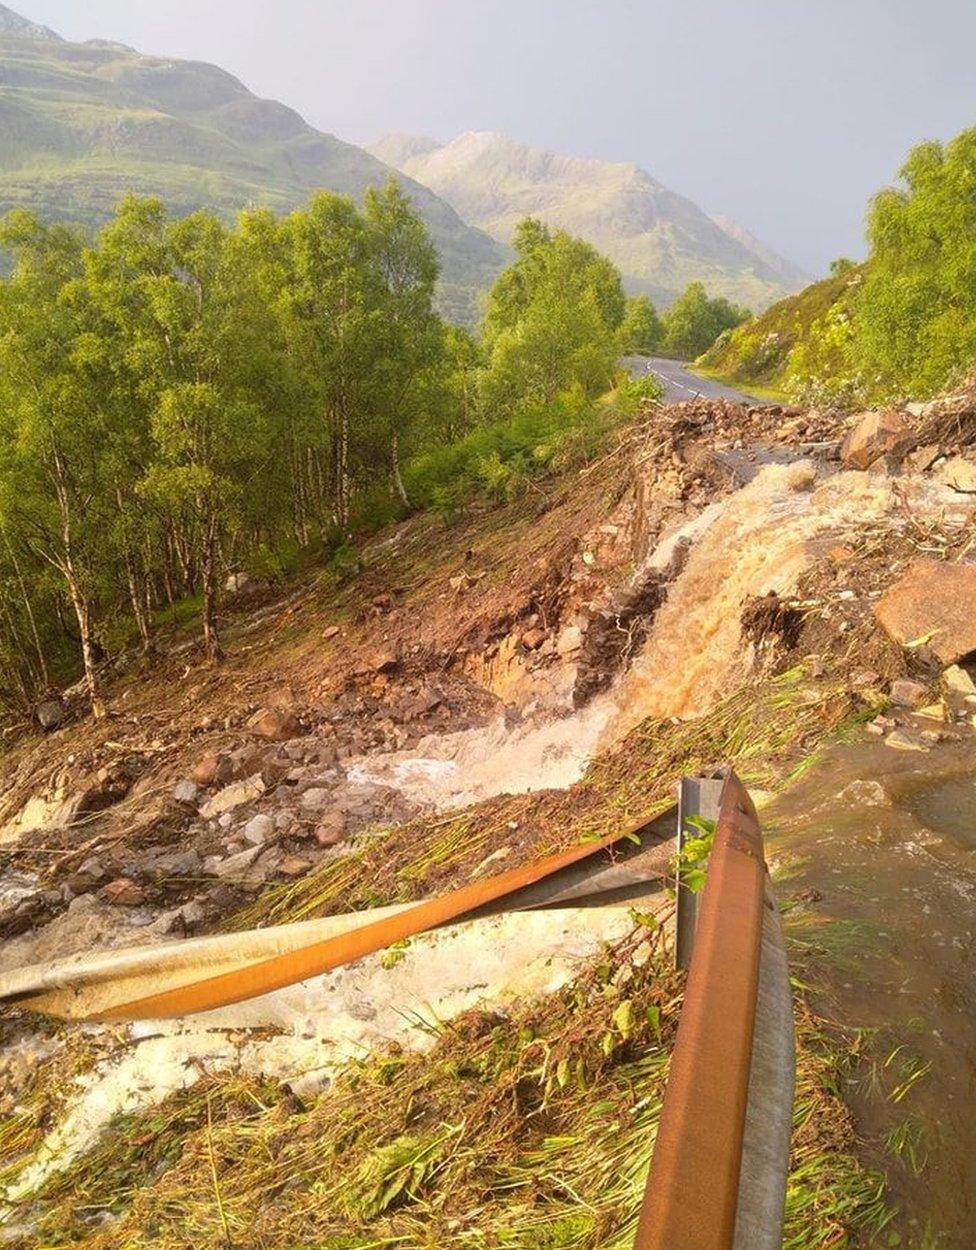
x: 82, y: 124
x: 660, y: 240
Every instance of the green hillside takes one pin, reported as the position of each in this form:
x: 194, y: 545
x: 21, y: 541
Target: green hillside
x: 81, y: 124
x: 758, y: 353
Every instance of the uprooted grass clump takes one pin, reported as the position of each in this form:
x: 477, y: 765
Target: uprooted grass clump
x: 765, y: 731
x: 532, y: 1129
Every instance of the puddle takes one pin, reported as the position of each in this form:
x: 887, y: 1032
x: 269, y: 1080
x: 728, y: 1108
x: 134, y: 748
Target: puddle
x: 888, y: 842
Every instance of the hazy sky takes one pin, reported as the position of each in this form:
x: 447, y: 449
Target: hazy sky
x: 782, y: 114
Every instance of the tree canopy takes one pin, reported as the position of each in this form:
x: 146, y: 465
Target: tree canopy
x: 694, y: 322
x: 180, y: 398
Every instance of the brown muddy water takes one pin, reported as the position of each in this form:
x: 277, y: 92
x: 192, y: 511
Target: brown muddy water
x: 876, y: 853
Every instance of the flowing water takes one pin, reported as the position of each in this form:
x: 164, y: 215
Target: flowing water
x: 883, y: 845
x: 755, y: 541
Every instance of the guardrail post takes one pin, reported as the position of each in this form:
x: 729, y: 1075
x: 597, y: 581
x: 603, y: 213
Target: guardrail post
x: 697, y: 796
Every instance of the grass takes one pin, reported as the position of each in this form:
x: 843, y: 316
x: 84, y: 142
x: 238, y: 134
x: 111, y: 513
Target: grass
x: 754, y: 355
x: 531, y: 1130
x: 760, y: 390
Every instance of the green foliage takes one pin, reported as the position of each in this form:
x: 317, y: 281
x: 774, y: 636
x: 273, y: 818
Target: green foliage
x: 758, y: 352
x: 917, y: 316
x: 904, y: 323
x: 499, y: 458
x: 694, y: 322
x: 646, y: 388
x: 692, y: 865
x: 641, y: 330
x: 551, y: 323
x: 180, y: 399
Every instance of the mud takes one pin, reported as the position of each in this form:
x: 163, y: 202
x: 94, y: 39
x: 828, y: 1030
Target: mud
x: 879, y: 851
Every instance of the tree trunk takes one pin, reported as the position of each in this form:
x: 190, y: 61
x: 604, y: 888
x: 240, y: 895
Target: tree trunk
x: 135, y: 597
x: 397, y: 476
x: 41, y: 658
x: 79, y: 600
x: 211, y: 641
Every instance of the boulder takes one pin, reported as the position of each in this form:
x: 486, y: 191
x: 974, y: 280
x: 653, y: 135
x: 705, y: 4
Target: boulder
x: 258, y: 829
x: 934, y: 604
x: 213, y: 770
x: 331, y: 829
x: 275, y: 725
x: 906, y: 693
x: 123, y: 892
x: 316, y: 797
x: 876, y: 434
x: 958, y: 681
x: 959, y: 474
x: 533, y: 638
x: 234, y: 795
x: 294, y: 866
x: 247, y: 867
x: 186, y: 792
x: 176, y: 864
x: 900, y: 740
x: 49, y: 714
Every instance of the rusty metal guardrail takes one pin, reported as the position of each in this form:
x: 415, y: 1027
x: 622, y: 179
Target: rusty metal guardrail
x: 718, y: 1173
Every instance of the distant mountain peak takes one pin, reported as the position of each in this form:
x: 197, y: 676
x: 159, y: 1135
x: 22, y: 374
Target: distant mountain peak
x: 660, y: 240
x: 12, y: 23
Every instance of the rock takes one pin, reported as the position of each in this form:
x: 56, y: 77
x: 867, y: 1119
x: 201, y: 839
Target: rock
x: 922, y: 458
x: 385, y: 662
x: 933, y: 603
x: 186, y: 792
x: 958, y: 680
x: 330, y: 631
x: 275, y: 725
x: 331, y: 829
x: 49, y: 714
x: 177, y: 864
x: 247, y: 867
x: 900, y: 740
x: 76, y: 883
x: 283, y: 821
x: 570, y: 640
x: 213, y: 770
x: 531, y: 639
x: 238, y: 792
x: 123, y: 892
x: 876, y: 434
x: 316, y: 797
x: 960, y: 474
x: 906, y: 693
x: 294, y: 866
x: 93, y: 868
x: 933, y: 711
x: 258, y: 829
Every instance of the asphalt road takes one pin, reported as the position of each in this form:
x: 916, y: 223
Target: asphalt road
x: 680, y: 383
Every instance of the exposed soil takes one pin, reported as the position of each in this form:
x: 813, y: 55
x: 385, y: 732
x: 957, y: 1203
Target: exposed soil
x: 705, y: 590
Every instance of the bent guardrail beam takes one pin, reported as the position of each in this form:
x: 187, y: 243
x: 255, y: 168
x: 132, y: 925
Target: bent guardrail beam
x: 717, y: 1179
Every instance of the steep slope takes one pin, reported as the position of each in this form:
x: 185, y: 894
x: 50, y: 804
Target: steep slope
x: 660, y: 240
x: 81, y: 124
x: 757, y: 353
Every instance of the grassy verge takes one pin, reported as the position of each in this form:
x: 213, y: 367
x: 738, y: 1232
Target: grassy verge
x: 527, y: 1130
x: 760, y: 390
